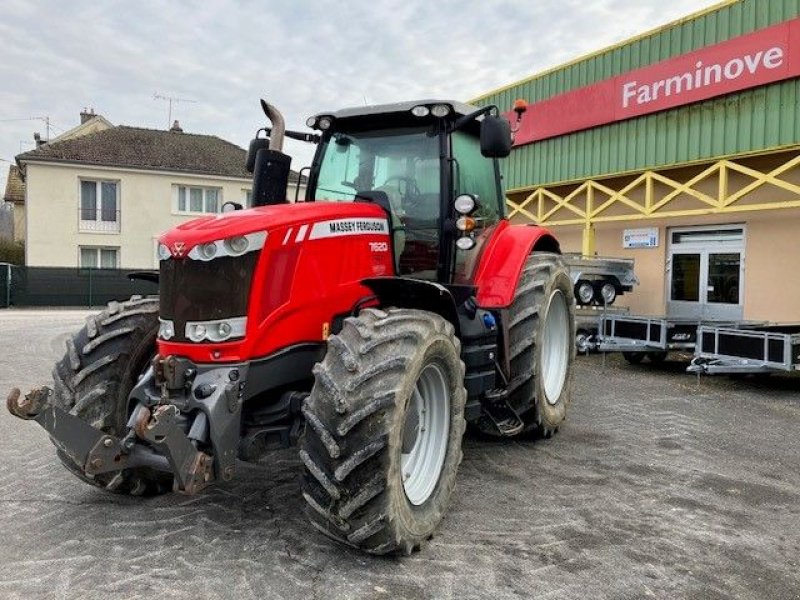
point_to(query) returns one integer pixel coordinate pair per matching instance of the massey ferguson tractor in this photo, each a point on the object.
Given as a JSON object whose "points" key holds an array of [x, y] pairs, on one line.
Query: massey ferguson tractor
{"points": [[367, 325]]}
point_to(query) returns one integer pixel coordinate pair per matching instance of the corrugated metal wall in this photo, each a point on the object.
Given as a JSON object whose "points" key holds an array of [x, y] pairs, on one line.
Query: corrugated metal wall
{"points": [[755, 119]]}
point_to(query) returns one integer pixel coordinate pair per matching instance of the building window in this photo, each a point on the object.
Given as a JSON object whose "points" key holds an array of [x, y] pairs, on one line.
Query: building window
{"points": [[247, 201], [197, 200], [95, 257], [99, 206]]}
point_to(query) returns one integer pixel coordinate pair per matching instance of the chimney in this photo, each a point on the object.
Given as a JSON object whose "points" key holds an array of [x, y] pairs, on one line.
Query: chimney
{"points": [[38, 139], [176, 127], [86, 115]]}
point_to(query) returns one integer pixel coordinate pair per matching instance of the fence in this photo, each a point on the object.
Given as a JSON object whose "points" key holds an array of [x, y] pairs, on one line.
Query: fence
{"points": [[74, 287]]}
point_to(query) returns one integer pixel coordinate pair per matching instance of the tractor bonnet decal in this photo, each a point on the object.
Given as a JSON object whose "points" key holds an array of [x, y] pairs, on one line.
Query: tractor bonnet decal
{"points": [[339, 227]]}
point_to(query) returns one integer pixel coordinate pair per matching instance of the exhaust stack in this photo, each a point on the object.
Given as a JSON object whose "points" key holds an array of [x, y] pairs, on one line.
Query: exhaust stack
{"points": [[271, 166]]}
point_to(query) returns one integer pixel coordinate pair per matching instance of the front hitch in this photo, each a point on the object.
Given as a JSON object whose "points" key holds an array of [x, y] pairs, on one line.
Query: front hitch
{"points": [[91, 450], [95, 452]]}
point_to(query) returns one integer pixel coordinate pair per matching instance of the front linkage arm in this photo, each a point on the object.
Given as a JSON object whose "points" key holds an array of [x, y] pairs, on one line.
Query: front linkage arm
{"points": [[95, 452]]}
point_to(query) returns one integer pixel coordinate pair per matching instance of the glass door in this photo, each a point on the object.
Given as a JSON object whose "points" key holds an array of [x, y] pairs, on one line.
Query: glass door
{"points": [[705, 270]]}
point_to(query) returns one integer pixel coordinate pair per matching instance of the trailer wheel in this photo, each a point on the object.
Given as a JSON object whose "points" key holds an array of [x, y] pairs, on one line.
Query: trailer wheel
{"points": [[633, 358], [656, 357], [92, 381], [606, 293], [384, 423], [584, 292], [542, 347]]}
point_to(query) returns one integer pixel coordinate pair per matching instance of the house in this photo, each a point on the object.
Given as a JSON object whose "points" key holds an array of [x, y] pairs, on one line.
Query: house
{"points": [[99, 195], [14, 199]]}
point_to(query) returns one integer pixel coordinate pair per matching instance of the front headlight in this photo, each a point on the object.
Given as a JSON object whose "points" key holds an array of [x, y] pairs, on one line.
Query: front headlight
{"points": [[163, 252], [234, 246], [216, 331]]}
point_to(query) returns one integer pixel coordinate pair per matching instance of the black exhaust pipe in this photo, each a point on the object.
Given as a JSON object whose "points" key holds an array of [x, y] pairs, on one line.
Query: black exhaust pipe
{"points": [[271, 167]]}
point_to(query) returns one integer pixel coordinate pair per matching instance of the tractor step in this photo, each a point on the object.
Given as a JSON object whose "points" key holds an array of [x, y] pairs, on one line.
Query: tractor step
{"points": [[504, 418]]}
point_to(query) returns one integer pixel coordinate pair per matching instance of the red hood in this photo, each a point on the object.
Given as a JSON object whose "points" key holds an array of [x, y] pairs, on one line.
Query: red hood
{"points": [[263, 218]]}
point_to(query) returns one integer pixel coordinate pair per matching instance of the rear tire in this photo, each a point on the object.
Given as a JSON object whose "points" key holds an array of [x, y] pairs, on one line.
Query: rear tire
{"points": [[656, 358], [92, 381], [378, 471], [540, 389]]}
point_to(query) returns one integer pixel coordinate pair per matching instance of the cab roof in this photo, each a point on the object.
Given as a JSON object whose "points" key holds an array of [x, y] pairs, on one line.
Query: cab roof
{"points": [[459, 108], [397, 113]]}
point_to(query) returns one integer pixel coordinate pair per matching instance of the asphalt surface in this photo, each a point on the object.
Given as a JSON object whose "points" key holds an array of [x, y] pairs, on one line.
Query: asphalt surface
{"points": [[658, 486]]}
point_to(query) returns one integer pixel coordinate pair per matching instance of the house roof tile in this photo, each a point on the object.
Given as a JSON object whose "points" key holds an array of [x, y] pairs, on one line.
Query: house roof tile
{"points": [[139, 148]]}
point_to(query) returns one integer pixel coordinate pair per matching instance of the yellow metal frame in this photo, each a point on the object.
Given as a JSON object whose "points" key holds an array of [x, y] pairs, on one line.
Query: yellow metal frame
{"points": [[591, 201]]}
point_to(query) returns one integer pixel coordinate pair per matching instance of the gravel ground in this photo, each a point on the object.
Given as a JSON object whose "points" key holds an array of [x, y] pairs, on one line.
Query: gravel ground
{"points": [[658, 486]]}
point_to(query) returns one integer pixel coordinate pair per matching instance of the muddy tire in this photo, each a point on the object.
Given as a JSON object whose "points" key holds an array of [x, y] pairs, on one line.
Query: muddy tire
{"points": [[384, 423], [542, 347], [92, 381]]}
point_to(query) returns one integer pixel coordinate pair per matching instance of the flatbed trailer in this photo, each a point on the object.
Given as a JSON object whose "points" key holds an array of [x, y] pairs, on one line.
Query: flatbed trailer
{"points": [[764, 349], [637, 337], [600, 279], [587, 324]]}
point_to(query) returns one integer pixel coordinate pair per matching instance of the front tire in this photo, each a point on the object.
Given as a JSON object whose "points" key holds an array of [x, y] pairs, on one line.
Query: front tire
{"points": [[384, 423], [93, 379]]}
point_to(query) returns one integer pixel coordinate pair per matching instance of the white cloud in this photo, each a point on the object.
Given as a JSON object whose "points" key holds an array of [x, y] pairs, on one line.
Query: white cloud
{"points": [[59, 57]]}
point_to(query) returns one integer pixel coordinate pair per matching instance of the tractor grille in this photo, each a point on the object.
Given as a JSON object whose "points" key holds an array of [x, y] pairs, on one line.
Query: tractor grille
{"points": [[196, 290]]}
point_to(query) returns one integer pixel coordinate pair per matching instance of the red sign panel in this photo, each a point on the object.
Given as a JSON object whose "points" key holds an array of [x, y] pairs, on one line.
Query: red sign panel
{"points": [[759, 58]]}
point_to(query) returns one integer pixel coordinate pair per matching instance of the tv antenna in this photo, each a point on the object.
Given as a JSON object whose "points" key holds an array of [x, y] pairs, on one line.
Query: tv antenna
{"points": [[170, 100], [46, 120]]}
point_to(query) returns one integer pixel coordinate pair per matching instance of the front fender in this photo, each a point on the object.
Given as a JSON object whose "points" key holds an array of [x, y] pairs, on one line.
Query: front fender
{"points": [[404, 292], [501, 264]]}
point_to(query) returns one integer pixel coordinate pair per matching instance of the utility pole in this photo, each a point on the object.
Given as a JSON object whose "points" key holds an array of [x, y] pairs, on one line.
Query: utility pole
{"points": [[170, 100]]}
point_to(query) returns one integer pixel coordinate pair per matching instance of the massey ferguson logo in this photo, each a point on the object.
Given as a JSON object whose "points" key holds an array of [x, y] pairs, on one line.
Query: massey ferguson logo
{"points": [[178, 249]]}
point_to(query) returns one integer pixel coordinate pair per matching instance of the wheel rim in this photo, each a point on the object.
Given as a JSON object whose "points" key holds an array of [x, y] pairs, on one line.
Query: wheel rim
{"points": [[555, 347], [585, 293], [609, 293], [425, 434]]}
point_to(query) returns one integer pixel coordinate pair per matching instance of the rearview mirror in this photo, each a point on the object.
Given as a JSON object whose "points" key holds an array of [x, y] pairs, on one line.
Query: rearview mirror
{"points": [[495, 137]]}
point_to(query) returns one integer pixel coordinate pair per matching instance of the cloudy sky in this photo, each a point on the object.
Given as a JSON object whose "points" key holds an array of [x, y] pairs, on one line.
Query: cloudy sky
{"points": [[58, 57]]}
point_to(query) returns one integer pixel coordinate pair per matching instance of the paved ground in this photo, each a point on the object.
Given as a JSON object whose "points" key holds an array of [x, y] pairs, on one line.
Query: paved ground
{"points": [[657, 487]]}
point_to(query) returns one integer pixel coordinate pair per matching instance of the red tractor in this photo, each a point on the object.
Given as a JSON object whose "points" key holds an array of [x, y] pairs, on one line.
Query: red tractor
{"points": [[368, 325]]}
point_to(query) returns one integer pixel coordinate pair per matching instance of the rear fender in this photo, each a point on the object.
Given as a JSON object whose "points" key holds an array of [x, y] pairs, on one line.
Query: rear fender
{"points": [[502, 262]]}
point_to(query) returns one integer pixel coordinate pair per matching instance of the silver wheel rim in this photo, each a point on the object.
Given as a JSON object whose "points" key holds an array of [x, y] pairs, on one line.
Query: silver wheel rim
{"points": [[555, 347], [585, 293], [609, 293], [425, 434]]}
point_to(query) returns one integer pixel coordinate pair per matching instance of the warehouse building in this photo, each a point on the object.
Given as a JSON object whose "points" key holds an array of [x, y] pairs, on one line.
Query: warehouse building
{"points": [[679, 148]]}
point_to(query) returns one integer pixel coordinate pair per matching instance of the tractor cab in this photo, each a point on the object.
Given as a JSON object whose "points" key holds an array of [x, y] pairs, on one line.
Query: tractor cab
{"points": [[432, 165]]}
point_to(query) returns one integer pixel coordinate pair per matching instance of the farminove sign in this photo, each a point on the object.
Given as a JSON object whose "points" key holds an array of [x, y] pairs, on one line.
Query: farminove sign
{"points": [[759, 58], [703, 76]]}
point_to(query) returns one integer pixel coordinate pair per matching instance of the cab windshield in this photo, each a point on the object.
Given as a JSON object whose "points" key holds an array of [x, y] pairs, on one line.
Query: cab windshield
{"points": [[400, 166]]}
